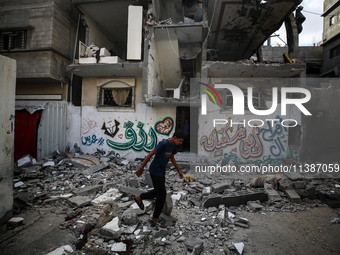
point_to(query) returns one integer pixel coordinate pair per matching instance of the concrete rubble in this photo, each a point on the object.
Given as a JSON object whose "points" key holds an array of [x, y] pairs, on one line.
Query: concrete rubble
{"points": [[202, 212]]}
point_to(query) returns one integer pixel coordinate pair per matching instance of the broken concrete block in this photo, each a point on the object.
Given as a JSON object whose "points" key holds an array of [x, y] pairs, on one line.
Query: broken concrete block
{"points": [[88, 190], [134, 183], [241, 222], [25, 161], [168, 220], [130, 191], [198, 249], [15, 221], [84, 161], [61, 250], [220, 187], [299, 185], [205, 182], [79, 201], [118, 247], [111, 230], [192, 242], [175, 198], [97, 168], [272, 194], [168, 205], [109, 197], [49, 163], [130, 218], [206, 191], [239, 247], [293, 196], [242, 199], [309, 191], [212, 201], [254, 206], [148, 179], [129, 229], [18, 184], [161, 232]]}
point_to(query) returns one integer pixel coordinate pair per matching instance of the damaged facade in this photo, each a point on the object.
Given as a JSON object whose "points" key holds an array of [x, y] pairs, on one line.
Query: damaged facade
{"points": [[181, 41], [128, 69]]}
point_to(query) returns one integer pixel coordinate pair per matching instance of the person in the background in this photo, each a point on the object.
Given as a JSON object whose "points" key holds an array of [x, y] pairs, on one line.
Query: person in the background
{"points": [[164, 151]]}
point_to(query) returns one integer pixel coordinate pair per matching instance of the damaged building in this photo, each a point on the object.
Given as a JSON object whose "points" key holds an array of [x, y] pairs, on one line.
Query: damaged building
{"points": [[120, 76], [103, 82]]}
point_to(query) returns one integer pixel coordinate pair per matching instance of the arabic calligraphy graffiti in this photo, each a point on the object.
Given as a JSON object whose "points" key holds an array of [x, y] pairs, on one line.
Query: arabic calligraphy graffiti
{"points": [[276, 135], [214, 142], [252, 147], [134, 143], [88, 140], [88, 125], [164, 126]]}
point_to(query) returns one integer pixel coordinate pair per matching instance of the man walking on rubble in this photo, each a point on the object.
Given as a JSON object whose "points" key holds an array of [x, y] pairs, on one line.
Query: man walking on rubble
{"points": [[164, 151]]}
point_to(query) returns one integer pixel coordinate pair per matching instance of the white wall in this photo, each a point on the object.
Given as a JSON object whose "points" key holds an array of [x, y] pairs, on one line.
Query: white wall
{"points": [[128, 141], [7, 109]]}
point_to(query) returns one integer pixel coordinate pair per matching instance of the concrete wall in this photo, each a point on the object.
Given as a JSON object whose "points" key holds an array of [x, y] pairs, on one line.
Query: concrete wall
{"points": [[330, 63], [50, 35], [138, 131], [330, 31], [320, 139], [305, 54], [7, 92]]}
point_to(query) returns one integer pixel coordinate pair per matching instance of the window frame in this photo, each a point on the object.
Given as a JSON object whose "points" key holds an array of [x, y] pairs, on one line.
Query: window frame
{"points": [[13, 40], [116, 84]]}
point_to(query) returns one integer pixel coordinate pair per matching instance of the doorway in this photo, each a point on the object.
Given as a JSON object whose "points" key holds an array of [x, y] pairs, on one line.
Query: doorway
{"points": [[187, 121]]}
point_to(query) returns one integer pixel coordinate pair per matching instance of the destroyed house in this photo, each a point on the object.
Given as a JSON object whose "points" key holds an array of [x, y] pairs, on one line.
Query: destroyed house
{"points": [[128, 75], [140, 62]]}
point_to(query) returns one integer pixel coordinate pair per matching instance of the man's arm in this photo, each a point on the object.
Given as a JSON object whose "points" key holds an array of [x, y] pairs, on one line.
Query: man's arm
{"points": [[146, 160], [173, 160]]}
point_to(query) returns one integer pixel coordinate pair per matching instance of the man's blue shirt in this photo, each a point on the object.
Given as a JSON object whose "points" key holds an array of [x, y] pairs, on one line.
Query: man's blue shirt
{"points": [[164, 152]]}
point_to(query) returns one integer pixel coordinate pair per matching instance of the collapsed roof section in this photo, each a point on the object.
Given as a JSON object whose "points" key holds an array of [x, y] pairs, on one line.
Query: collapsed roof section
{"points": [[239, 28]]}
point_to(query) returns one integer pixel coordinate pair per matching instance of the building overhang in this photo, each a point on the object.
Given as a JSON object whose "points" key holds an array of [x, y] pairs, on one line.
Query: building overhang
{"points": [[247, 69], [162, 101], [125, 69]]}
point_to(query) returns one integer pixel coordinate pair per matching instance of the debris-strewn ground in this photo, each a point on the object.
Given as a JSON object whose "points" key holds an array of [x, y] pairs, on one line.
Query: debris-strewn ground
{"points": [[82, 204]]}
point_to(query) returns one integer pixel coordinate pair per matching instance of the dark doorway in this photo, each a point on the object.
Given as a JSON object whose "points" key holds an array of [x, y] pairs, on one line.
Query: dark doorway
{"points": [[186, 120]]}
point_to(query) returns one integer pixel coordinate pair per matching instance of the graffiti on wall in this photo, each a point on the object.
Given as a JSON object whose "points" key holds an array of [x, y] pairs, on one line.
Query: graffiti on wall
{"points": [[267, 144], [222, 138], [92, 140], [89, 125], [111, 130], [278, 136], [137, 142], [164, 126]]}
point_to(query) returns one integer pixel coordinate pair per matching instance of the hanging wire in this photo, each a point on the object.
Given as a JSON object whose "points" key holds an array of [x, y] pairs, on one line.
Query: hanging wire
{"points": [[312, 12], [206, 38]]}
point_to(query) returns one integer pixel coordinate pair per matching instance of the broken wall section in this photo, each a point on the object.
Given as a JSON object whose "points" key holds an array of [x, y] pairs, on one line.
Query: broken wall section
{"points": [[7, 90], [320, 139]]}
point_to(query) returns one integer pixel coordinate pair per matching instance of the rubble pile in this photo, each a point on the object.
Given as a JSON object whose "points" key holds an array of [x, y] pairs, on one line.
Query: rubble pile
{"points": [[202, 212]]}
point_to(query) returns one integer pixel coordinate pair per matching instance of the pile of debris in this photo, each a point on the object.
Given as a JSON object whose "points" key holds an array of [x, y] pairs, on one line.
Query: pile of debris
{"points": [[202, 212]]}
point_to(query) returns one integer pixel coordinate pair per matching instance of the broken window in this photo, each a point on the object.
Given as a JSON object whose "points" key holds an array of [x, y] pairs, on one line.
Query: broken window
{"points": [[13, 40], [116, 94], [332, 20]]}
